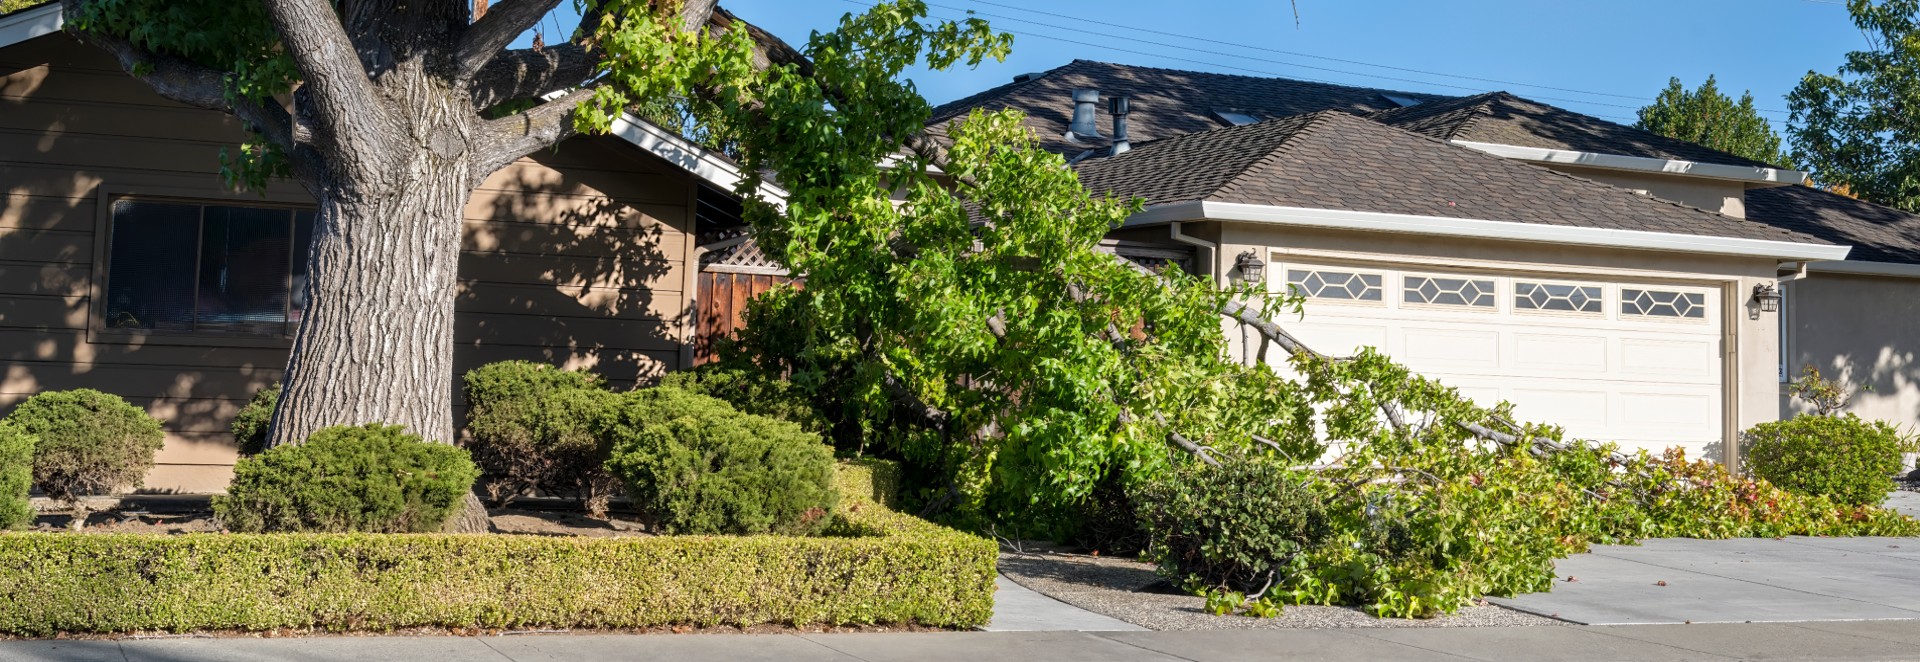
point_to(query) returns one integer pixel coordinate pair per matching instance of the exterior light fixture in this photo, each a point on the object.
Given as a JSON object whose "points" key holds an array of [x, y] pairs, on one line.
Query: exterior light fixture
{"points": [[1767, 296], [1253, 270]]}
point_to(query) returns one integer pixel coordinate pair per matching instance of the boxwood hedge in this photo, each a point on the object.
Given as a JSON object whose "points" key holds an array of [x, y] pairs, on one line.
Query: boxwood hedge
{"points": [[883, 567]]}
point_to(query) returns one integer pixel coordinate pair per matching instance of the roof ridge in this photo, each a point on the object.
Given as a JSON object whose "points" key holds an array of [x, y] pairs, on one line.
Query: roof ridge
{"points": [[958, 106], [1307, 122], [1358, 88]]}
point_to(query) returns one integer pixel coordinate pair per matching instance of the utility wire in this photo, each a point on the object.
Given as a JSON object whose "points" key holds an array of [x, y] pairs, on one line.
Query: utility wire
{"points": [[1310, 55]]}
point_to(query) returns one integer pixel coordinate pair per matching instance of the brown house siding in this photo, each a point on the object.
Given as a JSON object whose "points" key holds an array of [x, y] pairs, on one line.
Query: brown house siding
{"points": [[574, 256]]}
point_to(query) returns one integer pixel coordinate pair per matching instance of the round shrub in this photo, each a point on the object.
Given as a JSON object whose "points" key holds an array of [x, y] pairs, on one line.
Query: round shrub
{"points": [[250, 425], [695, 464], [535, 427], [88, 442], [752, 392], [1232, 527], [16, 475], [1845, 458], [375, 478]]}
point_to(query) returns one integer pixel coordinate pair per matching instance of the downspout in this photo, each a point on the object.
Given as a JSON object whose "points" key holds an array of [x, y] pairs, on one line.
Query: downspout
{"points": [[1208, 249]]}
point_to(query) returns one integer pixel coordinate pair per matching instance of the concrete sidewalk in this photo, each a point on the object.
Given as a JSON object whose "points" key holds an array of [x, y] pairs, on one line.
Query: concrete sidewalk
{"points": [[1861, 640]]}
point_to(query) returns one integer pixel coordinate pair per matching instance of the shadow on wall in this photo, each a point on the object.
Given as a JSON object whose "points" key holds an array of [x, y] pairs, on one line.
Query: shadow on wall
{"points": [[1864, 332]]}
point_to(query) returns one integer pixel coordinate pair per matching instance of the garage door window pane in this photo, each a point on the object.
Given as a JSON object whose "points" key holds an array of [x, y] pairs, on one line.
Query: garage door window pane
{"points": [[1661, 303], [1323, 284], [1566, 298], [1449, 291]]}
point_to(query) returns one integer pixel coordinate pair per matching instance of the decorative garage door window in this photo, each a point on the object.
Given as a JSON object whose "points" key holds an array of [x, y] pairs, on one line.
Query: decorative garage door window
{"points": [[1439, 291], [1326, 284], [1663, 303], [1561, 298]]}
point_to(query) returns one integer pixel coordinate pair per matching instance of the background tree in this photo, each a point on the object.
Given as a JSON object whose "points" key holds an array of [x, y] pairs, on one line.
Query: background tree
{"points": [[391, 112], [1858, 129], [1705, 116]]}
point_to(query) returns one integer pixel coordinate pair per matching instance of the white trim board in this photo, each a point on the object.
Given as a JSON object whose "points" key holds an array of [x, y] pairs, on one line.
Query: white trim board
{"points": [[681, 152], [1638, 163], [30, 23], [1863, 268], [1463, 227]]}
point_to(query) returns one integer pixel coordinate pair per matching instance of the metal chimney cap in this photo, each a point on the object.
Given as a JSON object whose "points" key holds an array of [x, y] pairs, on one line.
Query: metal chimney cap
{"points": [[1086, 95], [1117, 105]]}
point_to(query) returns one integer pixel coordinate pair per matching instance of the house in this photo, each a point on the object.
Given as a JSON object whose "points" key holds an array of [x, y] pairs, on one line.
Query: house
{"points": [[1626, 285], [127, 266]]}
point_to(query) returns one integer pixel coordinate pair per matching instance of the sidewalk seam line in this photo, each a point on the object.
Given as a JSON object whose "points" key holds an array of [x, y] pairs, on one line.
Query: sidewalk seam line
{"points": [[1595, 629], [803, 637], [1129, 644], [496, 651], [1362, 632]]}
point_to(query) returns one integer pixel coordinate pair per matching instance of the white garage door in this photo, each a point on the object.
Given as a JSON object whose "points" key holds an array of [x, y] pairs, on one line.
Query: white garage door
{"points": [[1634, 362]]}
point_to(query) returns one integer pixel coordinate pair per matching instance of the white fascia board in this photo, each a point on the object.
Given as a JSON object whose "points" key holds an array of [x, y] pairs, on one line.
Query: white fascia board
{"points": [[1639, 163], [1500, 230], [706, 165], [1867, 268], [31, 23]]}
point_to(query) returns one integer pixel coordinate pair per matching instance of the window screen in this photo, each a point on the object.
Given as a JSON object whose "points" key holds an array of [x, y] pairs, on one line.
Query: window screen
{"points": [[206, 268]]}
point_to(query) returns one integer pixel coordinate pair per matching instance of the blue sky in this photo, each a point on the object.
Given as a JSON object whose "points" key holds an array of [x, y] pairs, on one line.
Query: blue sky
{"points": [[1609, 57]]}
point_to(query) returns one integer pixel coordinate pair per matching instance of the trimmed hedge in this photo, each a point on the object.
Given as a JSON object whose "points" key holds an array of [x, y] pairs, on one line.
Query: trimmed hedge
{"points": [[903, 571], [1848, 459], [374, 478], [16, 475]]}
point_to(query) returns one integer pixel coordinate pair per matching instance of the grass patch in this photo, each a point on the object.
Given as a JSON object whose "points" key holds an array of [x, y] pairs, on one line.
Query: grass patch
{"points": [[883, 567]]}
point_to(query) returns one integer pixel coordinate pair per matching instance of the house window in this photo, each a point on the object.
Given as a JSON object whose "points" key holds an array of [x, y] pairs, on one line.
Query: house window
{"points": [[1661, 303], [1449, 291], [1551, 297], [1346, 285], [200, 268]]}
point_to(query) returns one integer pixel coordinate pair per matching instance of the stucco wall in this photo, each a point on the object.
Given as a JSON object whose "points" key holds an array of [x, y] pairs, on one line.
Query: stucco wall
{"points": [[1864, 330], [1712, 195], [573, 256], [1753, 333]]}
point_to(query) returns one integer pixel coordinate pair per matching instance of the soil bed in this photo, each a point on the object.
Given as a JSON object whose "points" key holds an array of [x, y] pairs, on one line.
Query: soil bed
{"points": [[1129, 590]]}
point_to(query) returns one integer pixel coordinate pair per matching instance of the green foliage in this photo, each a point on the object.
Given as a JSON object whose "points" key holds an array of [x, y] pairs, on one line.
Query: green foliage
{"points": [[1231, 528], [897, 570], [1841, 457], [697, 465], [16, 475], [1854, 128], [372, 478], [88, 442], [250, 425], [1827, 396], [537, 427], [751, 391], [1706, 116], [10, 6]]}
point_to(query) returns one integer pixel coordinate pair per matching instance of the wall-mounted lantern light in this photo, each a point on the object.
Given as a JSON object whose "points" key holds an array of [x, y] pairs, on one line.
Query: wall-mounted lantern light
{"points": [[1253, 270], [1767, 296]]}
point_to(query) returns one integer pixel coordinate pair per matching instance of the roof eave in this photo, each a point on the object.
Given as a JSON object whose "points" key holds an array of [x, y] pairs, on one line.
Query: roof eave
{"points": [[1866, 268], [1480, 229], [690, 157], [29, 23], [1744, 174]]}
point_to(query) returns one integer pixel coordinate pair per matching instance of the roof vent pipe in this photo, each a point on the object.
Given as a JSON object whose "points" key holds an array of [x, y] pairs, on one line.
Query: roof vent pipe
{"points": [[1117, 106], [1082, 125]]}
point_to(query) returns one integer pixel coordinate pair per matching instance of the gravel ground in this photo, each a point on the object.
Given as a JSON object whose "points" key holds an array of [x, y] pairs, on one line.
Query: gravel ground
{"points": [[1113, 586]]}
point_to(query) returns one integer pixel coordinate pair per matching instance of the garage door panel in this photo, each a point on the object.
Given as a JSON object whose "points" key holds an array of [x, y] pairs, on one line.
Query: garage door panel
{"points": [[1644, 372]]}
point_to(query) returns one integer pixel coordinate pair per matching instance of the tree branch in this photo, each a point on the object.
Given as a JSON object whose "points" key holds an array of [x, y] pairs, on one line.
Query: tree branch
{"points": [[483, 41], [503, 140], [530, 74], [341, 95]]}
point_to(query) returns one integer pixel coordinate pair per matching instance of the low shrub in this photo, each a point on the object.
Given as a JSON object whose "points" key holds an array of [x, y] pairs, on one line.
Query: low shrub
{"points": [[891, 569], [1845, 458], [751, 391], [534, 427], [697, 465], [16, 475], [373, 478], [1230, 528], [250, 425], [87, 442]]}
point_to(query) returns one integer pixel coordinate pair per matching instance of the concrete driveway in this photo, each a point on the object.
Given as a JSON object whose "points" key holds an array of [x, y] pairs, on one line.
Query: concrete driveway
{"points": [[1736, 581]]}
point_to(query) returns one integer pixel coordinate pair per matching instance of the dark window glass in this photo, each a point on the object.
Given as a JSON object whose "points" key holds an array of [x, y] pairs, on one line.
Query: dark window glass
{"points": [[206, 268], [302, 243], [150, 280]]}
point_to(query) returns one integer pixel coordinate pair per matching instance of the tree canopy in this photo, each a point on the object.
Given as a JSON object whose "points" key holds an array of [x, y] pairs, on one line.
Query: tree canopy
{"points": [[1706, 116], [1856, 128]]}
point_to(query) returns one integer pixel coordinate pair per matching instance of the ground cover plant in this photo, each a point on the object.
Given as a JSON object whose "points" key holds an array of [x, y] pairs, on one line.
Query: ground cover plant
{"points": [[879, 566]]}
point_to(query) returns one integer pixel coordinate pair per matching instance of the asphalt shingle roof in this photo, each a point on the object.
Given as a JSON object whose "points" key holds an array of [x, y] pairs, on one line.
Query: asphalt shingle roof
{"points": [[1334, 160], [1502, 118], [1877, 234], [1165, 102]]}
